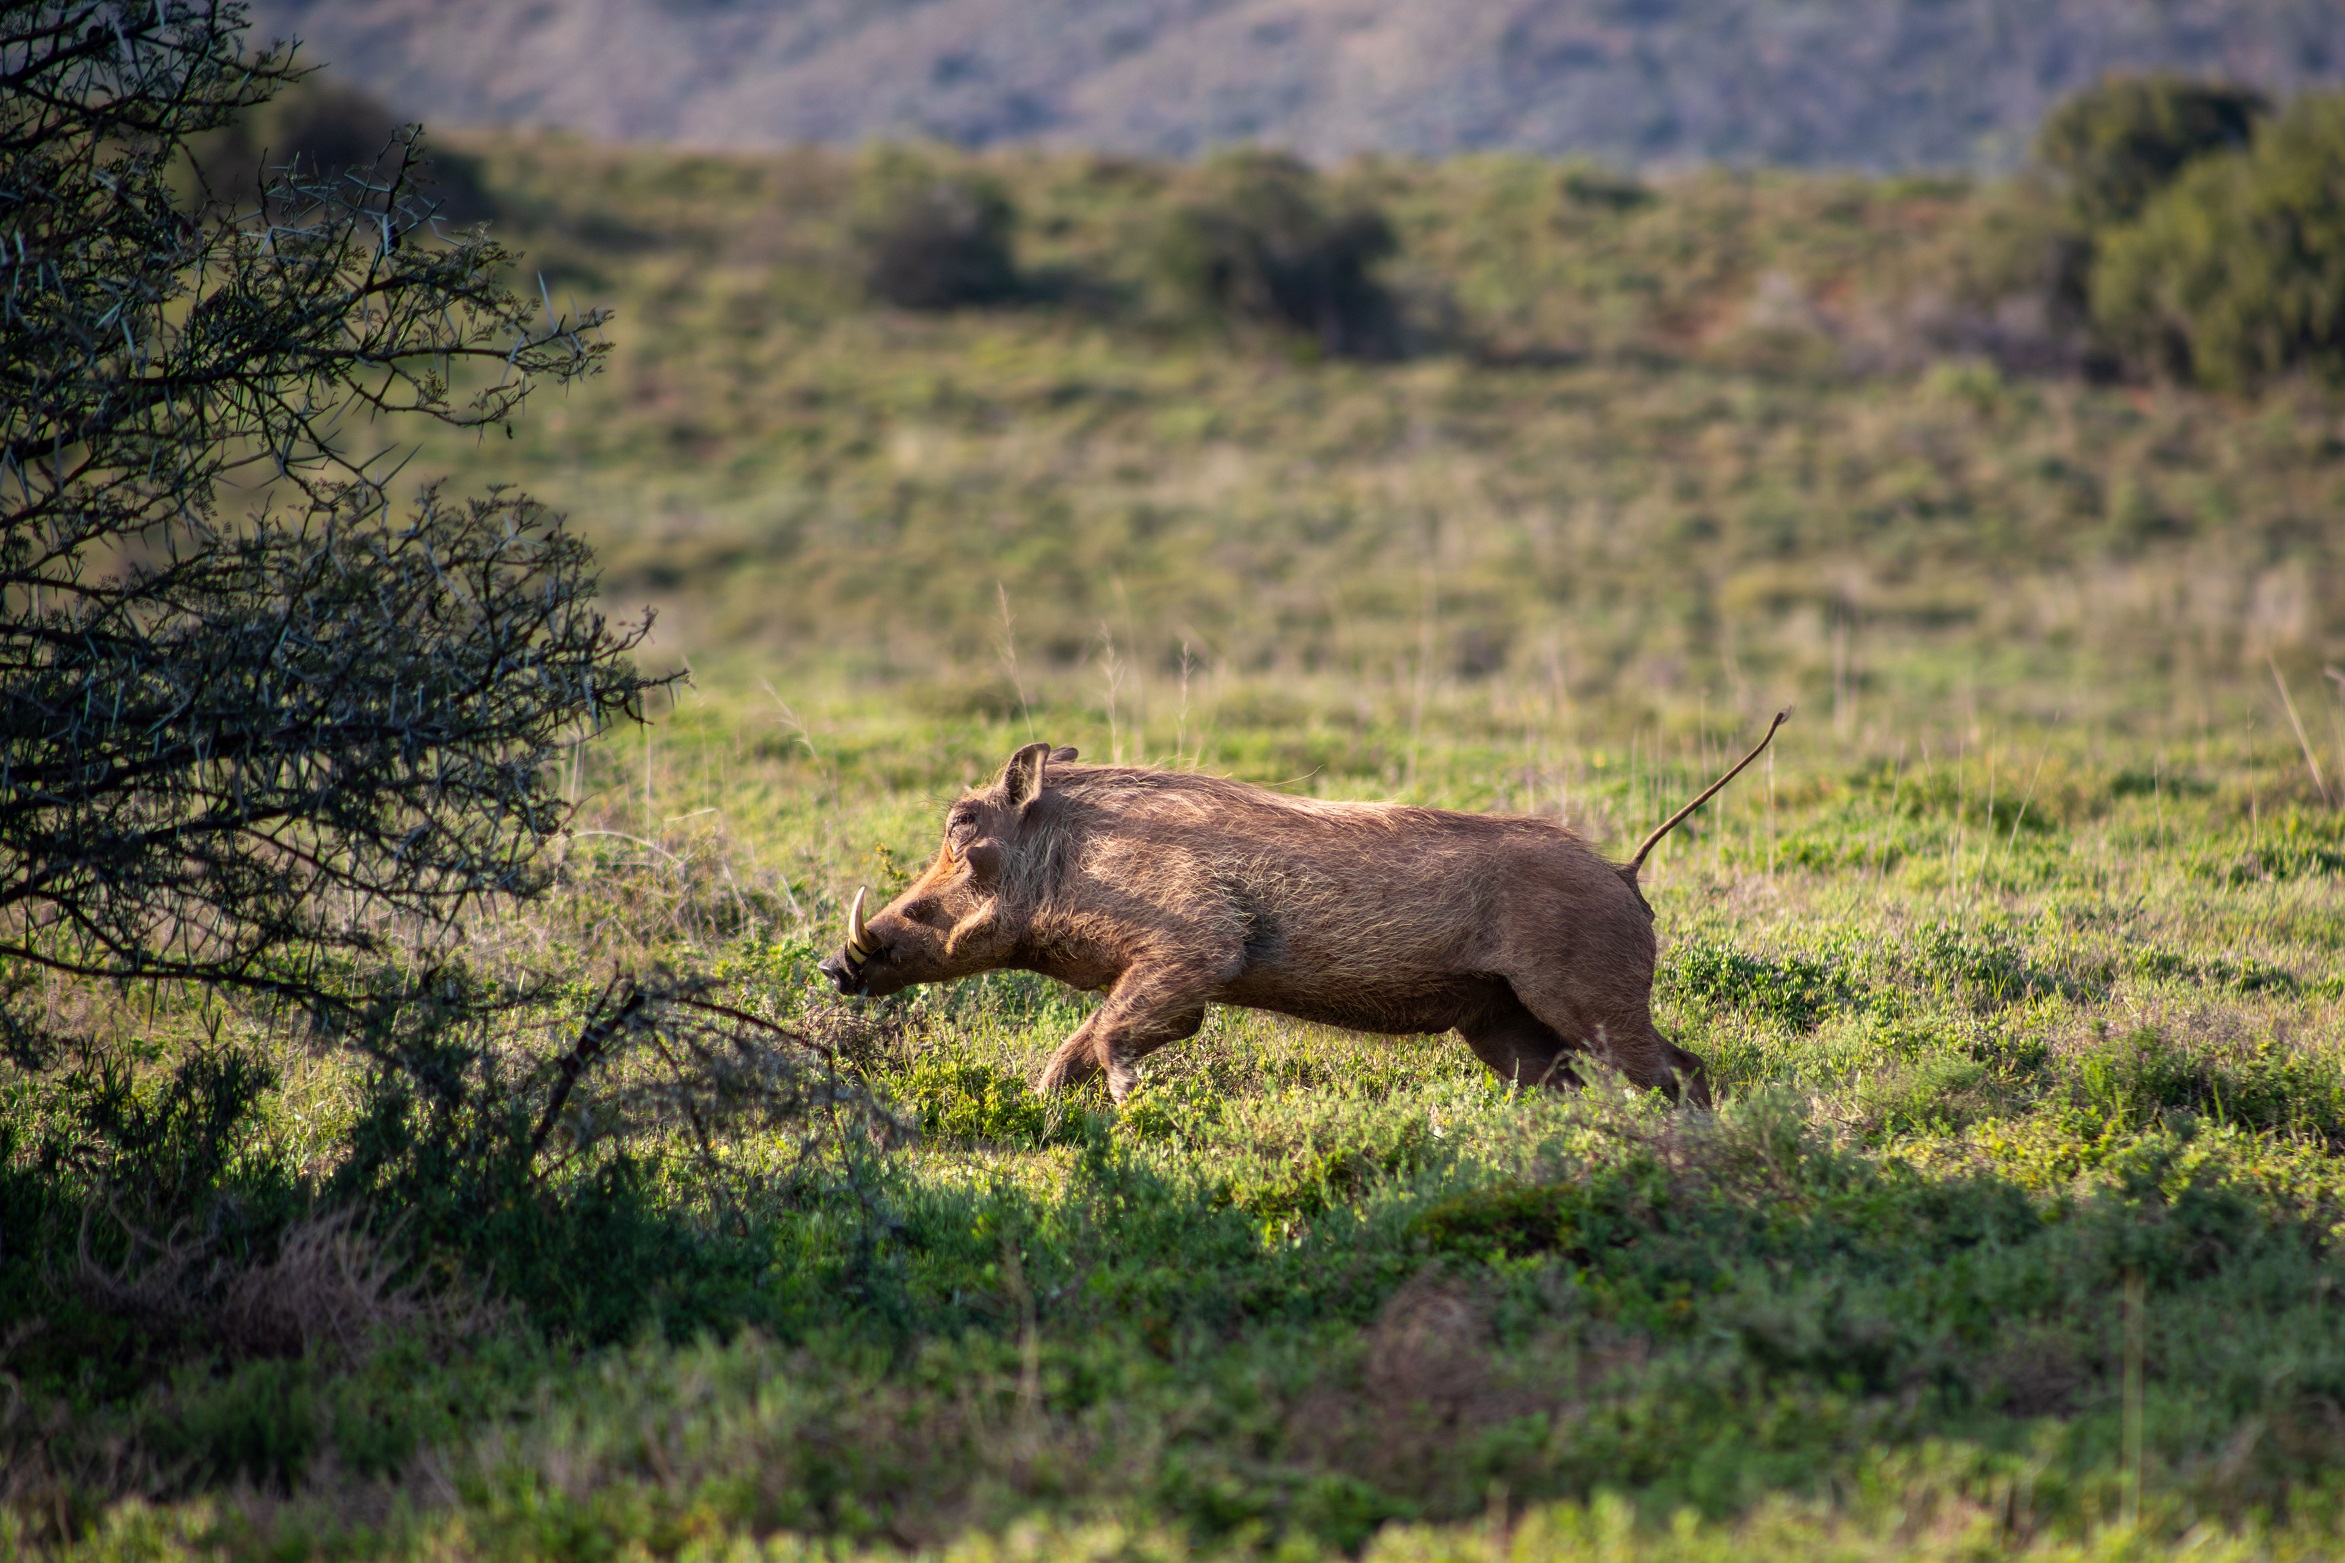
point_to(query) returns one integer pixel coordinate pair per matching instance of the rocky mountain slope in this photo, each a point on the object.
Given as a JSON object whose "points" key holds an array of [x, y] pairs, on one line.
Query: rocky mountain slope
{"points": [[1871, 84]]}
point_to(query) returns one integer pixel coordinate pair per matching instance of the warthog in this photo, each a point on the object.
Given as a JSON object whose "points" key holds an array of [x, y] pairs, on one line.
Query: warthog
{"points": [[1170, 891]]}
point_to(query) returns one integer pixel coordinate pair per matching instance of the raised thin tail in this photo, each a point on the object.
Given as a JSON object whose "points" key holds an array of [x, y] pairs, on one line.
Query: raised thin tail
{"points": [[1628, 870]]}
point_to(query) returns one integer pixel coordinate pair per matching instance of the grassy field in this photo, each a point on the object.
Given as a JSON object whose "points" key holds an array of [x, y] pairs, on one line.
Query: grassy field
{"points": [[2021, 965], [1694, 438]]}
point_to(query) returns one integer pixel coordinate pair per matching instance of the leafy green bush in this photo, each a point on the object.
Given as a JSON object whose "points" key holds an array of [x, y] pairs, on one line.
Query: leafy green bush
{"points": [[1928, 1095], [930, 240], [1794, 990], [2119, 143], [963, 1102], [263, 1425], [170, 1142], [2148, 1077], [2236, 274], [160, 1181], [1979, 962], [1573, 1220], [1263, 245], [583, 1171]]}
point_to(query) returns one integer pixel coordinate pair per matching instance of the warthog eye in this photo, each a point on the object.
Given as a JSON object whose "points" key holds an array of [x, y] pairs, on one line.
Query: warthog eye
{"points": [[958, 831]]}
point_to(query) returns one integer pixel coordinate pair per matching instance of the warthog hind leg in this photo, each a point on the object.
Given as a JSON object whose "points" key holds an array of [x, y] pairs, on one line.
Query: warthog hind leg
{"points": [[1615, 1022], [1518, 1046]]}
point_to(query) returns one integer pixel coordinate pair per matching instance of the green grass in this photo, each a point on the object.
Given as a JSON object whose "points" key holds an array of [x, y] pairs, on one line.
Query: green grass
{"points": [[1312, 1290], [2021, 966]]}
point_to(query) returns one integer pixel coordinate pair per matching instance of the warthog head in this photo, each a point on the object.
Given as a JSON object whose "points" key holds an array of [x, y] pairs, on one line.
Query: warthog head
{"points": [[967, 913]]}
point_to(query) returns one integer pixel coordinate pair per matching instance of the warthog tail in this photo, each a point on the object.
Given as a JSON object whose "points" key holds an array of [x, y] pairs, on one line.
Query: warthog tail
{"points": [[1628, 870]]}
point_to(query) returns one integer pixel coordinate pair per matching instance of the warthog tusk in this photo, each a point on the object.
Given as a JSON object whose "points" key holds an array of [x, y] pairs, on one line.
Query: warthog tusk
{"points": [[858, 940]]}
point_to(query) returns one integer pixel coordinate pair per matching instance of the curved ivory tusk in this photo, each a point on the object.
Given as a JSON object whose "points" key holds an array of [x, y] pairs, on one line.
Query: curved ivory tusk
{"points": [[857, 939]]}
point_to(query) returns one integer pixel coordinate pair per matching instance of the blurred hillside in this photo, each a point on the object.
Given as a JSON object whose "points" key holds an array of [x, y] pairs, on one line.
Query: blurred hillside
{"points": [[1876, 84]]}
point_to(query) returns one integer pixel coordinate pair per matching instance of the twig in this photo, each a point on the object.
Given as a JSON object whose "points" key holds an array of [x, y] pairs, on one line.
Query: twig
{"points": [[575, 1063], [2302, 742], [771, 1028], [1009, 655], [638, 840]]}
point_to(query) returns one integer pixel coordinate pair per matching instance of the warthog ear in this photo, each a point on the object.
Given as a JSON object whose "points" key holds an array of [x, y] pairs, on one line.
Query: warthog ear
{"points": [[1021, 779], [1064, 754]]}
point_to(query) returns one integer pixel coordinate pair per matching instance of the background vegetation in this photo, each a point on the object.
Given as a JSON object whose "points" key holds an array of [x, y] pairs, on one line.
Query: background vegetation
{"points": [[1612, 436], [2019, 961]]}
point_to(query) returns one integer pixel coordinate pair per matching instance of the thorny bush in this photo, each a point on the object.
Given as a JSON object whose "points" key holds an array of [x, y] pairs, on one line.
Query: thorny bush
{"points": [[229, 743]]}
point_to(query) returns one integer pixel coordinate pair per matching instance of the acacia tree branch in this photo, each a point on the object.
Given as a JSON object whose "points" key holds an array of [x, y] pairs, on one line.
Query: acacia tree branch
{"points": [[602, 1024], [230, 749]]}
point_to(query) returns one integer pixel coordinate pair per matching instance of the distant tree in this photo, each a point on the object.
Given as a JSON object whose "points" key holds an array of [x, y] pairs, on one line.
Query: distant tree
{"points": [[2237, 273], [2116, 145], [931, 240], [1263, 244], [327, 131], [252, 716], [1590, 186]]}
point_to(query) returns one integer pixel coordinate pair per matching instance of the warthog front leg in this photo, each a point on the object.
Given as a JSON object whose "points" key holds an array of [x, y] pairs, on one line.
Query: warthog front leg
{"points": [[1148, 1009]]}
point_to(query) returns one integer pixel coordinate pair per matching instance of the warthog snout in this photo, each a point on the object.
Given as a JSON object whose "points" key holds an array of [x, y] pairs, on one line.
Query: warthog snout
{"points": [[842, 974]]}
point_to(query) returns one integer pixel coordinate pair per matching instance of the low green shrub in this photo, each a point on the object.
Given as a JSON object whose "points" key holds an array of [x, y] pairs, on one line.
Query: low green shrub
{"points": [[932, 240], [327, 129], [2148, 1077], [964, 1103], [1518, 1221], [1262, 244], [2236, 274], [1927, 1096], [2295, 845], [1793, 990]]}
